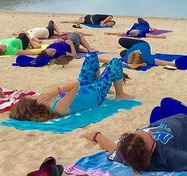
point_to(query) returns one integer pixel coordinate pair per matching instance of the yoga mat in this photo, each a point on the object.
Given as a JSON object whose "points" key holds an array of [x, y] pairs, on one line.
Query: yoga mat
{"points": [[98, 165], [165, 57], [71, 122], [96, 26], [80, 55], [66, 35], [160, 31]]}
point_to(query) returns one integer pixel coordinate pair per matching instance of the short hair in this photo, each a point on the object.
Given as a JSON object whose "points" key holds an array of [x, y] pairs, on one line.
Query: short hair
{"points": [[29, 109], [135, 152], [135, 57], [1, 52], [133, 33], [43, 53]]}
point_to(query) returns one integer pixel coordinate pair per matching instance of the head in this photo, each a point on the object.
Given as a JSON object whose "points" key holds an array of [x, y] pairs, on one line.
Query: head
{"points": [[134, 33], [47, 52], [28, 109], [3, 49], [135, 58], [136, 148]]}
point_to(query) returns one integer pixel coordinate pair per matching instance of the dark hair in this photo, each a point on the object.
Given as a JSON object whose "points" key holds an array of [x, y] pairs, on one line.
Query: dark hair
{"points": [[42, 54], [29, 109], [135, 152], [1, 52]]}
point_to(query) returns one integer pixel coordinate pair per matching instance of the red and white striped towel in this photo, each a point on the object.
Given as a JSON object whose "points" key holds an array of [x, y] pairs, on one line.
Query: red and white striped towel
{"points": [[11, 97]]}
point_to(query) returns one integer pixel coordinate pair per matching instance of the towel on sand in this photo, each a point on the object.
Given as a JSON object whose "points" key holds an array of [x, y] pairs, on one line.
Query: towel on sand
{"points": [[98, 165], [74, 121]]}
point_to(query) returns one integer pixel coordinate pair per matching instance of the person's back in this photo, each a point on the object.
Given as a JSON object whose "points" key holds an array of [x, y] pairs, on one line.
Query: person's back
{"points": [[13, 44], [143, 29], [40, 33], [170, 153]]}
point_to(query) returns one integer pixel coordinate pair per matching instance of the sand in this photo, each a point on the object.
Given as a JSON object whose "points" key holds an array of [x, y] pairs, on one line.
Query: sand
{"points": [[23, 151]]}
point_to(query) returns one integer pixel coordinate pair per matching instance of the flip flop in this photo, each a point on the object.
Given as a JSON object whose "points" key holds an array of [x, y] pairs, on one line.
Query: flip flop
{"points": [[48, 162], [77, 26]]}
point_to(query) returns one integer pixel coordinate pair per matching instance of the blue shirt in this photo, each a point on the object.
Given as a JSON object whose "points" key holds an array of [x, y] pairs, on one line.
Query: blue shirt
{"points": [[84, 99], [145, 49], [142, 27], [61, 48]]}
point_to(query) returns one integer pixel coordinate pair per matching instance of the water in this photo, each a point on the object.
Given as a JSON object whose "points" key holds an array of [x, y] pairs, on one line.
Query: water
{"points": [[143, 8]]}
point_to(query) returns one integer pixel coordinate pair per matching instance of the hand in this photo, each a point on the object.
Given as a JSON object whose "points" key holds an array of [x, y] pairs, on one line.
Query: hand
{"points": [[102, 23], [2, 95], [89, 136], [45, 97], [107, 33]]}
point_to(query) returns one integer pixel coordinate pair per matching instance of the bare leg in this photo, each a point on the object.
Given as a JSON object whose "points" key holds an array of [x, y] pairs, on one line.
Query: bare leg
{"points": [[85, 44], [164, 63], [57, 30], [120, 94]]}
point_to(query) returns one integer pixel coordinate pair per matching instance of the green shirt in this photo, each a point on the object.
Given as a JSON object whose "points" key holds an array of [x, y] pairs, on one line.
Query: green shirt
{"points": [[13, 44]]}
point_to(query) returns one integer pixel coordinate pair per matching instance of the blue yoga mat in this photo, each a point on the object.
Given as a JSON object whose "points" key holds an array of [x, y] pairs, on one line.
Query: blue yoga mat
{"points": [[98, 164], [165, 57], [96, 26], [74, 121], [81, 55]]}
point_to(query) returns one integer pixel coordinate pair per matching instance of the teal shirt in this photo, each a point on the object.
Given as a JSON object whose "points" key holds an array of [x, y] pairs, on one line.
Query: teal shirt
{"points": [[145, 49], [13, 44], [84, 99]]}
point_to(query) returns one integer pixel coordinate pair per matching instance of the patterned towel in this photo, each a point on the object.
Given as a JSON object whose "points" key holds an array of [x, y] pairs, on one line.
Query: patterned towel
{"points": [[11, 97], [98, 165]]}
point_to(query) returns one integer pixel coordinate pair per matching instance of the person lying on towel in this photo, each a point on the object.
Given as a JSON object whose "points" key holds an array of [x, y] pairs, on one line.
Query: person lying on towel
{"points": [[139, 52], [69, 47], [140, 29], [160, 146], [95, 19], [88, 92]]}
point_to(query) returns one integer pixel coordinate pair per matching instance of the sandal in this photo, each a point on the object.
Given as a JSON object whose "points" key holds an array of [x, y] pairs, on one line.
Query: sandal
{"points": [[77, 26]]}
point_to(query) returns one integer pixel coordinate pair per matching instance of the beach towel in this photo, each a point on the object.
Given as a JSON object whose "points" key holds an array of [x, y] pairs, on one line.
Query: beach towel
{"points": [[96, 26], [165, 57], [11, 97], [74, 121], [98, 165]]}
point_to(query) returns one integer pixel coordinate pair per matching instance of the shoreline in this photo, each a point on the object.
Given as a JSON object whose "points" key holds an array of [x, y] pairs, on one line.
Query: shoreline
{"points": [[23, 151]]}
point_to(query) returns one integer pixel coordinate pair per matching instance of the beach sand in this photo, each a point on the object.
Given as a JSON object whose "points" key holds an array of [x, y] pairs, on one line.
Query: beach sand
{"points": [[23, 151]]}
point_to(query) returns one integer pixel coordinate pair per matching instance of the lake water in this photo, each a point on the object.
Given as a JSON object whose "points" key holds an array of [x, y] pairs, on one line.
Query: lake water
{"points": [[143, 8]]}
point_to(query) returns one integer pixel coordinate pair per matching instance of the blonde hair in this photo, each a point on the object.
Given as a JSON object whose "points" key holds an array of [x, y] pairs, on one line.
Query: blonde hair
{"points": [[29, 109], [135, 57]]}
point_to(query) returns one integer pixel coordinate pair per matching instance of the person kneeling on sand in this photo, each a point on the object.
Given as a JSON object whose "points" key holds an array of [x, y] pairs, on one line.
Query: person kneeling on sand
{"points": [[161, 146], [88, 92]]}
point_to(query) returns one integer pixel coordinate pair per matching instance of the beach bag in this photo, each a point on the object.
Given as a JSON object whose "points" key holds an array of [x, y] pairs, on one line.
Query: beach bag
{"points": [[26, 61], [48, 168]]}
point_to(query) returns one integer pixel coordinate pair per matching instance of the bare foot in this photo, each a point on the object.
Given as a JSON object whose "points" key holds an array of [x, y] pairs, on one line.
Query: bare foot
{"points": [[124, 96], [92, 50]]}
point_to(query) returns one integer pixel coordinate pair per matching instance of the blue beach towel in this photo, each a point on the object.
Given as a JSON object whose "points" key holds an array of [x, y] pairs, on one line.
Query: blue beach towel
{"points": [[98, 165], [165, 57], [96, 26], [74, 121]]}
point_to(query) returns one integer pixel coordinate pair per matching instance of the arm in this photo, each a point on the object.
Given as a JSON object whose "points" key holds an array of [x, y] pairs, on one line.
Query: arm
{"points": [[155, 36], [103, 141], [71, 88], [115, 33], [73, 51]]}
